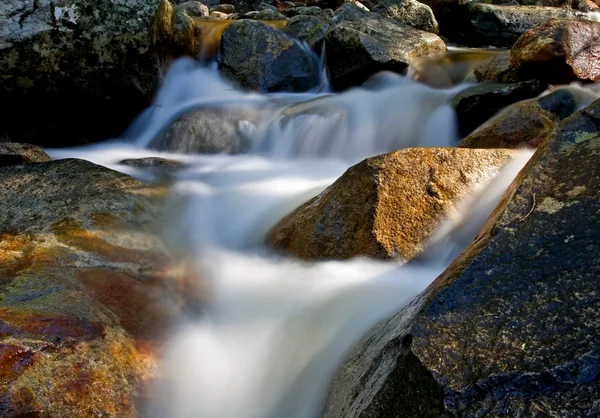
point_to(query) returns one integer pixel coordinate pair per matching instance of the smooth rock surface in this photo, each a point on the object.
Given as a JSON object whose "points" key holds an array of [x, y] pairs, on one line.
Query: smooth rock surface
{"points": [[513, 325], [387, 206], [410, 12], [560, 51], [498, 68]]}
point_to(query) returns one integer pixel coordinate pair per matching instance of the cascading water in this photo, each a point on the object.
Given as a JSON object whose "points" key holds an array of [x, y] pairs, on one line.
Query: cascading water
{"points": [[274, 330]]}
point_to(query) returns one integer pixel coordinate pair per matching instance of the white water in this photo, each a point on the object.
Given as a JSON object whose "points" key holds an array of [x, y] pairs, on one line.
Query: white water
{"points": [[274, 330]]}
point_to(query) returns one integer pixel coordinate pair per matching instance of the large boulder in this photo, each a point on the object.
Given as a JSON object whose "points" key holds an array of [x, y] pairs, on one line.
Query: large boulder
{"points": [[18, 153], [560, 51], [265, 59], [512, 328], [385, 207], [74, 71], [477, 104], [523, 124], [480, 25], [357, 49], [86, 289], [309, 29], [410, 12]]}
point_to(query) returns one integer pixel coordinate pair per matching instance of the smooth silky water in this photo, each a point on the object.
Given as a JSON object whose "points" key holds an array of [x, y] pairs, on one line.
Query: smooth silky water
{"points": [[274, 330]]}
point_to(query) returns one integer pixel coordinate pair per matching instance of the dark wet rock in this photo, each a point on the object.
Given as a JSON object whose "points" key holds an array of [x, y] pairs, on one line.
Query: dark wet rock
{"points": [[18, 153], [498, 68], [513, 326], [193, 9], [224, 8], [87, 290], [387, 206], [265, 59], [409, 12], [481, 25], [475, 105], [266, 14], [157, 168], [310, 29], [524, 124], [560, 51], [307, 11], [359, 48], [97, 59]]}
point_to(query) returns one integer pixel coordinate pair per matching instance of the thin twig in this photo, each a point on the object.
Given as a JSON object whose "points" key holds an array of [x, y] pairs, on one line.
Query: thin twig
{"points": [[530, 211], [538, 407]]}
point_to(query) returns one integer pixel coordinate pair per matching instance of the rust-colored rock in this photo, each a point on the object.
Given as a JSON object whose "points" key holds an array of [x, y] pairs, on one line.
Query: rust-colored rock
{"points": [[386, 206], [560, 51]]}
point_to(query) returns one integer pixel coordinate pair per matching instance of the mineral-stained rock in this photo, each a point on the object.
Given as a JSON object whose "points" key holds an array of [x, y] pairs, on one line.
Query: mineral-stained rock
{"points": [[262, 58], [497, 68], [75, 70], [17, 153], [560, 51], [86, 290], [525, 123], [409, 12], [513, 325], [477, 104], [357, 49], [386, 206], [478, 24]]}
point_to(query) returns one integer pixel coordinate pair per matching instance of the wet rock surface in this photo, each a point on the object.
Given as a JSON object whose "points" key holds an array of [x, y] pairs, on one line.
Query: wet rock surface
{"points": [[387, 206], [86, 290], [310, 29], [475, 105], [357, 49], [409, 12], [17, 153], [262, 58], [524, 124], [560, 51], [497, 68], [512, 327]]}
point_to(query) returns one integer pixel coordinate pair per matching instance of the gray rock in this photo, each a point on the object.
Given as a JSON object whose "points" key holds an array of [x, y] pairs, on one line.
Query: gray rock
{"points": [[478, 24], [307, 11], [513, 325], [265, 14], [193, 9], [18, 153], [265, 59], [348, 12], [360, 48], [100, 53], [224, 8], [409, 12], [477, 104], [310, 29]]}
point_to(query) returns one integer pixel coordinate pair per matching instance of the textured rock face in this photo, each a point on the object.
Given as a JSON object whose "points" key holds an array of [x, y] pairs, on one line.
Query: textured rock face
{"points": [[513, 325], [356, 49], [17, 153], [262, 58], [524, 124], [86, 290], [475, 105], [386, 206], [310, 29], [478, 24], [560, 51], [409, 12], [497, 68], [65, 62]]}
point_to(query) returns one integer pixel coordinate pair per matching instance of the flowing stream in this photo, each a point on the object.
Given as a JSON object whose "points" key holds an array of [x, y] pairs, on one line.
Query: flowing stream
{"points": [[275, 329]]}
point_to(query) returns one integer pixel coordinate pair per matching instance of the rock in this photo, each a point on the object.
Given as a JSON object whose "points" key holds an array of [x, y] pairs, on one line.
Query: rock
{"points": [[387, 206], [512, 326], [79, 70], [409, 12], [477, 104], [310, 29], [193, 9], [526, 123], [262, 58], [349, 12], [86, 289], [560, 51], [498, 68], [219, 15], [224, 8], [17, 153], [360, 48], [156, 168], [266, 14], [483, 25], [307, 11]]}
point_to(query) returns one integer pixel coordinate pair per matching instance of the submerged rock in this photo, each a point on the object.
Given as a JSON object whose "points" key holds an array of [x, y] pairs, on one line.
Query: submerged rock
{"points": [[67, 65], [477, 104], [385, 207], [483, 25], [513, 325], [525, 123], [357, 49], [17, 153], [264, 59], [560, 51], [87, 290]]}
